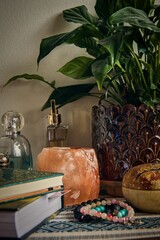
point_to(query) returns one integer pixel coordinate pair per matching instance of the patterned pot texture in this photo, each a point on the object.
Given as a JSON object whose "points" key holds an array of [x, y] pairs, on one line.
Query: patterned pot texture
{"points": [[123, 138]]}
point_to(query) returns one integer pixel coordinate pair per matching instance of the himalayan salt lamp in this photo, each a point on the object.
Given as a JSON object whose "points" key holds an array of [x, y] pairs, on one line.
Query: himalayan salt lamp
{"points": [[80, 168]]}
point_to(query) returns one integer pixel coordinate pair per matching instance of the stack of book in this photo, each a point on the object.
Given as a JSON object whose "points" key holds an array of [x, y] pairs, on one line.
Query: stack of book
{"points": [[27, 198]]}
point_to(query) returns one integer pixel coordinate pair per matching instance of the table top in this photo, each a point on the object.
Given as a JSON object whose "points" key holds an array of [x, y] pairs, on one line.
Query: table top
{"points": [[64, 226]]}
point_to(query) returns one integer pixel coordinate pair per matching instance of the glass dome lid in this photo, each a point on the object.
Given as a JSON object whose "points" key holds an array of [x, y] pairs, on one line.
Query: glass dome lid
{"points": [[12, 121]]}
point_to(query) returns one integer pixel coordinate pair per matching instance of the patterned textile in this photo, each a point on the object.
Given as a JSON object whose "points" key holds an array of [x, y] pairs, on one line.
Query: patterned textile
{"points": [[64, 226]]}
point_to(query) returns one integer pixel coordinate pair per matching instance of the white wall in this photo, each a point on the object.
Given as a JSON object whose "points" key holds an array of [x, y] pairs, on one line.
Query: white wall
{"points": [[23, 23]]}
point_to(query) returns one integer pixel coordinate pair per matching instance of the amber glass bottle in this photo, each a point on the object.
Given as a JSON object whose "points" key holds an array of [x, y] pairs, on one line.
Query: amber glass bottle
{"points": [[56, 132]]}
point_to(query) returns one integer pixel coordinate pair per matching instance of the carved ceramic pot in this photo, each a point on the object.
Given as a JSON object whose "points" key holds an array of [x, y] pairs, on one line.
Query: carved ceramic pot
{"points": [[123, 138]]}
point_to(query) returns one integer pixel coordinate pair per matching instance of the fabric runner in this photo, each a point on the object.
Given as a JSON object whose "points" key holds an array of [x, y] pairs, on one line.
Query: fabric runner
{"points": [[64, 226]]}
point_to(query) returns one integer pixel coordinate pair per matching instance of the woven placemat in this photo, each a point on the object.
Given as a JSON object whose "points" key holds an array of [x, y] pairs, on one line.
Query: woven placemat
{"points": [[64, 226]]}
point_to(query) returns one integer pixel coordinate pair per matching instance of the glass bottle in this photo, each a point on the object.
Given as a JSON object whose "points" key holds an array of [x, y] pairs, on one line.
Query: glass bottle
{"points": [[13, 144], [56, 132]]}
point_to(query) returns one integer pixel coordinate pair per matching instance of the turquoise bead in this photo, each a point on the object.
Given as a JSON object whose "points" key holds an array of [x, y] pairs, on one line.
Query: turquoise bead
{"points": [[102, 208], [124, 212], [119, 215], [98, 209]]}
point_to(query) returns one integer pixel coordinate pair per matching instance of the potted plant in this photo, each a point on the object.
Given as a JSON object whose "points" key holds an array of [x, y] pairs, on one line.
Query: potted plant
{"points": [[123, 46]]}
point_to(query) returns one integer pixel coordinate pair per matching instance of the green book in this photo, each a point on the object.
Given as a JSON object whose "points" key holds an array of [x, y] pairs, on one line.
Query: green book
{"points": [[17, 183]]}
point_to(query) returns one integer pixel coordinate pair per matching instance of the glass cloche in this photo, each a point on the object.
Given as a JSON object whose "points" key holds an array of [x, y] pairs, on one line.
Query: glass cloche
{"points": [[13, 144]]}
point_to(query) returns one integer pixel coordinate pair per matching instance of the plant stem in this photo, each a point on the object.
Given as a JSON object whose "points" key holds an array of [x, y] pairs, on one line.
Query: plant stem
{"points": [[139, 65]]}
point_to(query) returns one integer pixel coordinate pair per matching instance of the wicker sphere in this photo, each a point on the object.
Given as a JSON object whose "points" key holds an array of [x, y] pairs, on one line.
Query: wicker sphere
{"points": [[141, 187]]}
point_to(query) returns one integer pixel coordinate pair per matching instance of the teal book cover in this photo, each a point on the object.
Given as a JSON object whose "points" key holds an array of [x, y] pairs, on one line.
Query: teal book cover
{"points": [[17, 182]]}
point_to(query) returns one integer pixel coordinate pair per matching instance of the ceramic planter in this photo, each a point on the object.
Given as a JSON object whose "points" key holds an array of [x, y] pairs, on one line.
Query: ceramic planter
{"points": [[123, 138]]}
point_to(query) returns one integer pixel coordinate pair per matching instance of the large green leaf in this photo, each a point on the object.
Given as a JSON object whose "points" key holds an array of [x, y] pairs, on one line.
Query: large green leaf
{"points": [[113, 44], [80, 15], [50, 43], [31, 77], [68, 94], [105, 8], [146, 5], [81, 37], [78, 68], [100, 69], [133, 16]]}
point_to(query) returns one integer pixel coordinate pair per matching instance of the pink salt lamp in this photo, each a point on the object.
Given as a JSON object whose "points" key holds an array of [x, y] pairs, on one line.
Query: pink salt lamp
{"points": [[80, 168]]}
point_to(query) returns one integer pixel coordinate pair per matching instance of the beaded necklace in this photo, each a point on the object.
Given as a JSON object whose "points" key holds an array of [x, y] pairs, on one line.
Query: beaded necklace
{"points": [[106, 209]]}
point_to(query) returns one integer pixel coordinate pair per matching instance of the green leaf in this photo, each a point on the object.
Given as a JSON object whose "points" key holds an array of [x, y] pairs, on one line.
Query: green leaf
{"points": [[50, 43], [157, 75], [133, 16], [31, 77], [156, 100], [80, 15], [149, 73], [78, 68], [86, 37], [147, 101], [85, 31], [100, 69], [143, 5], [113, 45], [53, 83], [81, 37], [68, 94], [102, 9], [153, 86]]}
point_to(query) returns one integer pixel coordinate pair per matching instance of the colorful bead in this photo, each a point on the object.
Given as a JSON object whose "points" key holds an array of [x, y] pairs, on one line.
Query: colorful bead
{"points": [[89, 206], [115, 219], [85, 218], [98, 214], [119, 215], [113, 201], [92, 212], [103, 202], [98, 209], [117, 207], [109, 209], [109, 217], [108, 202], [82, 210], [124, 212], [98, 203], [102, 208], [121, 220], [93, 205], [126, 219], [86, 210], [104, 215], [89, 202]]}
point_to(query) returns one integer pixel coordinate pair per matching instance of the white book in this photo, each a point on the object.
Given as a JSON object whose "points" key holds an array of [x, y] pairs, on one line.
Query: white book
{"points": [[19, 218]]}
